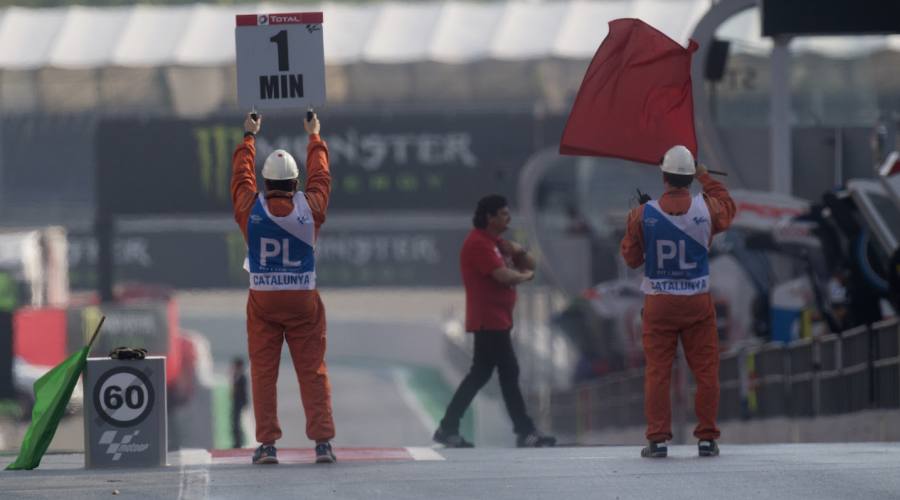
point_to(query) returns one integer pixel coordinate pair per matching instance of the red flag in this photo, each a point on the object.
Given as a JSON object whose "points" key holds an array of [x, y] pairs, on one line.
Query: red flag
{"points": [[635, 101]]}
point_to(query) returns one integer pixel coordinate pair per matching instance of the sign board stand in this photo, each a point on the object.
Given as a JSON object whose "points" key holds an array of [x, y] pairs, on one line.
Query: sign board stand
{"points": [[125, 413]]}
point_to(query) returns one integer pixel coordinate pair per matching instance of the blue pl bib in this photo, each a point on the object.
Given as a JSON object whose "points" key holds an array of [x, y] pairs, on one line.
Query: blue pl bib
{"points": [[281, 250], [676, 249]]}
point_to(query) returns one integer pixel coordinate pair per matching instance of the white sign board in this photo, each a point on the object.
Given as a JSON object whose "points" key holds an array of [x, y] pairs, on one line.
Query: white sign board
{"points": [[280, 60]]}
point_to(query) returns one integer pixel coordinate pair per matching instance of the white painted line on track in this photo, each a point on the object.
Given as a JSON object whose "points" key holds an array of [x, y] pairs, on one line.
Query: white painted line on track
{"points": [[194, 484], [421, 453], [194, 474], [401, 380]]}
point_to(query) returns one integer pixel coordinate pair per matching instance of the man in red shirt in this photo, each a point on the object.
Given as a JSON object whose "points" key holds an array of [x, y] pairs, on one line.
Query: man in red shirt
{"points": [[491, 268]]}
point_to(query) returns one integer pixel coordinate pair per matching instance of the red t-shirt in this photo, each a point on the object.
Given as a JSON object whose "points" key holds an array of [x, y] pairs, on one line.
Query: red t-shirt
{"points": [[489, 304]]}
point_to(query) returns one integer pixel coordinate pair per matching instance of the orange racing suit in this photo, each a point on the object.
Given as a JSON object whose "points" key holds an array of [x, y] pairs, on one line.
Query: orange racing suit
{"points": [[692, 318], [294, 316]]}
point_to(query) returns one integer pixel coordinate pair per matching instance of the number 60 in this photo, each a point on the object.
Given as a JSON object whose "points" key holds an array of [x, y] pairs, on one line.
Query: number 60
{"points": [[134, 397]]}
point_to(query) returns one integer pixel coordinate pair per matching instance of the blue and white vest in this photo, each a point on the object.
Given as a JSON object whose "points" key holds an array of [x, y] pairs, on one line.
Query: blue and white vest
{"points": [[281, 250], [676, 249]]}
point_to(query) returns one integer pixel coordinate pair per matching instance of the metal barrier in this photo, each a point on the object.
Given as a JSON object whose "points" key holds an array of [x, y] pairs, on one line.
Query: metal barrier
{"points": [[855, 370]]}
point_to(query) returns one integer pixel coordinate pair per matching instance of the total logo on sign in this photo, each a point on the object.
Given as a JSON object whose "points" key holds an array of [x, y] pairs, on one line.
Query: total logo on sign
{"points": [[125, 444], [300, 18], [123, 397], [286, 19], [280, 60]]}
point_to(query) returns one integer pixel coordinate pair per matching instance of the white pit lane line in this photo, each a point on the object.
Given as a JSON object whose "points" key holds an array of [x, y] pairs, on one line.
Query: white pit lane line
{"points": [[193, 474], [423, 454]]}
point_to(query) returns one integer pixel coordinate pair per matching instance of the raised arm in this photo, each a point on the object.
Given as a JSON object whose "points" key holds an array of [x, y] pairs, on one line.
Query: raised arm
{"points": [[632, 246], [243, 172], [721, 207], [318, 173]]}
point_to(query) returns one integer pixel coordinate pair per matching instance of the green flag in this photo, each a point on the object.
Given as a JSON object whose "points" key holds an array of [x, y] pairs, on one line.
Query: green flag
{"points": [[51, 395]]}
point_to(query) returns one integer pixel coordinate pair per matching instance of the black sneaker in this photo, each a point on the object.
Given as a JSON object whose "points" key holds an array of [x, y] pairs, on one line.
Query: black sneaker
{"points": [[324, 454], [449, 440], [655, 450], [534, 439], [707, 448], [265, 454]]}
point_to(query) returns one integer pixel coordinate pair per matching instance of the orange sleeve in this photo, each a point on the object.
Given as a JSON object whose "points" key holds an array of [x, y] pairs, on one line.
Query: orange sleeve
{"points": [[318, 178], [243, 181], [721, 207], [632, 247]]}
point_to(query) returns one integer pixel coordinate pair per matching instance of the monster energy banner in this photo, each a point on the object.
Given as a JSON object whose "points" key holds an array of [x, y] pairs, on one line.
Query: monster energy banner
{"points": [[344, 258], [421, 162]]}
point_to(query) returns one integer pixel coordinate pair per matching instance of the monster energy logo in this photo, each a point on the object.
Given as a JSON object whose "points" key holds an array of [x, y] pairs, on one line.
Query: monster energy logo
{"points": [[214, 147]]}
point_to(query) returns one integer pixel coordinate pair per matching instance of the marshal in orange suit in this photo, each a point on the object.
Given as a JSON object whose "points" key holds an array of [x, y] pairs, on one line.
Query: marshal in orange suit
{"points": [[280, 226], [671, 237]]}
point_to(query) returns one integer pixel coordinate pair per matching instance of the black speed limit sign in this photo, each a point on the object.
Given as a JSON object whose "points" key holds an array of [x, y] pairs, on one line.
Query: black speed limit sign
{"points": [[123, 396]]}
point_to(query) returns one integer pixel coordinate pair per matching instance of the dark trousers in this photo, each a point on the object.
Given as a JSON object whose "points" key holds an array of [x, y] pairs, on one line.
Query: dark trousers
{"points": [[237, 432], [492, 348], [7, 389]]}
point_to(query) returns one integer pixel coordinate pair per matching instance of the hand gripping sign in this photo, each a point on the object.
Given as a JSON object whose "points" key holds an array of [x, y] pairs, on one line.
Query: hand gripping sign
{"points": [[280, 60]]}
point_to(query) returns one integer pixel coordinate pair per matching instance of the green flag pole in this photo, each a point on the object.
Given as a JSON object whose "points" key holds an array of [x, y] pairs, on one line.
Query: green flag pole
{"points": [[51, 395], [96, 332]]}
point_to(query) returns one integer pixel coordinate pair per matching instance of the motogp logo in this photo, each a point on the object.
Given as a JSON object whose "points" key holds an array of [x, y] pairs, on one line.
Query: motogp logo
{"points": [[124, 445], [263, 20]]}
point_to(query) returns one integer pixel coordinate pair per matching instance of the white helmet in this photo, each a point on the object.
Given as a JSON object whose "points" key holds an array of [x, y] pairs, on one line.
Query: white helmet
{"points": [[280, 166], [678, 160]]}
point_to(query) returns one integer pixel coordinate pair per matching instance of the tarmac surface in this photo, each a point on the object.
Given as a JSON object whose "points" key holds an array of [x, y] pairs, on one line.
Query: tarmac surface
{"points": [[807, 471]]}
